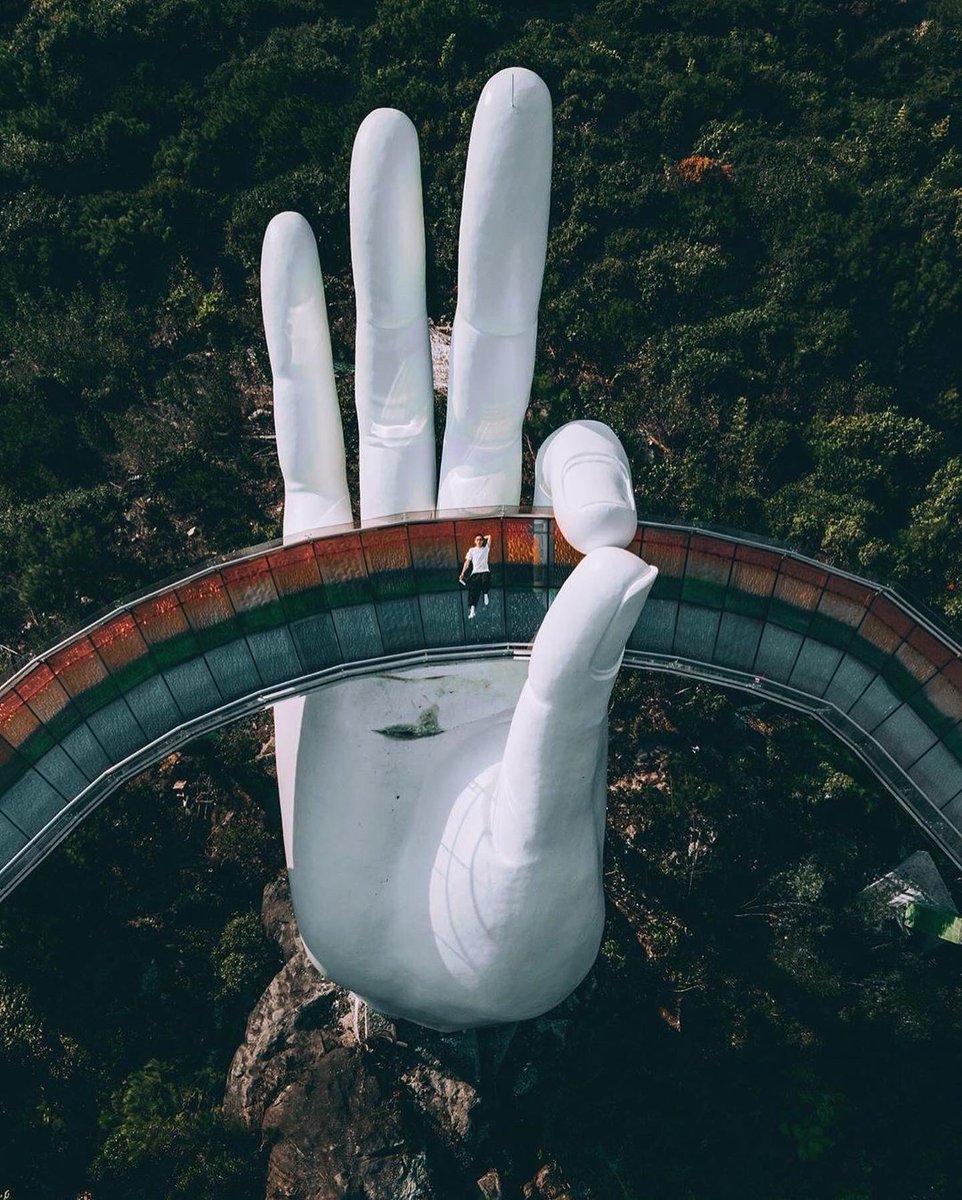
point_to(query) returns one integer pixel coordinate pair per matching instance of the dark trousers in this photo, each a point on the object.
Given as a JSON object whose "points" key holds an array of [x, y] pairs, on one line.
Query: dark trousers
{"points": [[478, 585]]}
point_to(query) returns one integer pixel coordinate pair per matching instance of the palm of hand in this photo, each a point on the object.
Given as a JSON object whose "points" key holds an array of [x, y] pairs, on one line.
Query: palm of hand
{"points": [[452, 879]]}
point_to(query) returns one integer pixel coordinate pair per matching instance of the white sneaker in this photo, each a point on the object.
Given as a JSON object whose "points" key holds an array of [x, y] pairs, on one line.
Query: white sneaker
{"points": [[471, 614], [485, 599]]}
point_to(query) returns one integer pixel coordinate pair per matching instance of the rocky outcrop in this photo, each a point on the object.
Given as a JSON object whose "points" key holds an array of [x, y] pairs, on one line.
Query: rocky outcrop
{"points": [[352, 1107]]}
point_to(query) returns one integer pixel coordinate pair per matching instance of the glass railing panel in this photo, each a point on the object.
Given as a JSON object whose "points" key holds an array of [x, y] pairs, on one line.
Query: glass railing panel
{"points": [[343, 571], [655, 628], [883, 629], [737, 643], [875, 704], [490, 623], [667, 550], [527, 552], [814, 667], [12, 765], [707, 571], [358, 632], [12, 840], [21, 729], [952, 811], [442, 619], [31, 803], [841, 609], [434, 557], [752, 581], [83, 675], [348, 590], [111, 731], [904, 735], [798, 590], [62, 772], [388, 559], [938, 773], [207, 606], [260, 614], [174, 648], [563, 556], [297, 578], [849, 682], [944, 693], [524, 611], [126, 655], [778, 649], [50, 704], [695, 632]]}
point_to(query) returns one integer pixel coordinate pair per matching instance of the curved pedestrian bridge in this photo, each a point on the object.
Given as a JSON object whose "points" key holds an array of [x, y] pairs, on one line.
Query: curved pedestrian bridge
{"points": [[279, 620]]}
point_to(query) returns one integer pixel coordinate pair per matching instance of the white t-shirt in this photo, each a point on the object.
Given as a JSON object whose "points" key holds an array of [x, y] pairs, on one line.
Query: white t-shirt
{"points": [[479, 558]]}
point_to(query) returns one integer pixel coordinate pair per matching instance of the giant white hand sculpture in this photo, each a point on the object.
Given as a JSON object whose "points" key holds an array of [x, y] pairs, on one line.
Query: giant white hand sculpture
{"points": [[454, 880]]}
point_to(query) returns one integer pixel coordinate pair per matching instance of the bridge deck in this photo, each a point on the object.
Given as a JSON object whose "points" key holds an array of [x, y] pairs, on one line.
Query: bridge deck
{"points": [[233, 638]]}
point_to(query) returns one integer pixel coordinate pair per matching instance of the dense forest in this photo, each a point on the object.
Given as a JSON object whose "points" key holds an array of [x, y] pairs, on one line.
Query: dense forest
{"points": [[755, 276]]}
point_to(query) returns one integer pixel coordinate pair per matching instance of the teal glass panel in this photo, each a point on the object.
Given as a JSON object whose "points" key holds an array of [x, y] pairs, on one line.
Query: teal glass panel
{"points": [[953, 811], [874, 705], [737, 643], [193, 688], [12, 765], [524, 612], [695, 632], [442, 619], [274, 654], [777, 652], [31, 803], [154, 707], [12, 840], [849, 682], [316, 642], [117, 730], [904, 735], [358, 632], [400, 623], [814, 667], [232, 669], [655, 628], [60, 771], [87, 751], [488, 626], [938, 774]]}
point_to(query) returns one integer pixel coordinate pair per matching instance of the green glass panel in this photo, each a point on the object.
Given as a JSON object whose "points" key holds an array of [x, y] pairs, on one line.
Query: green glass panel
{"points": [[737, 643], [695, 632], [904, 735], [31, 803]]}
